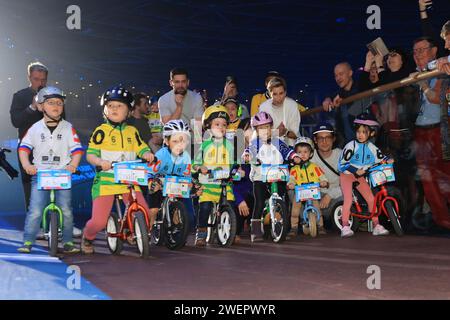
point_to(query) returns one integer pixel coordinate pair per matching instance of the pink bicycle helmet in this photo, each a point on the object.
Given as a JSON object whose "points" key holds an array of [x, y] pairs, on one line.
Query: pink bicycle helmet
{"points": [[260, 119], [367, 120]]}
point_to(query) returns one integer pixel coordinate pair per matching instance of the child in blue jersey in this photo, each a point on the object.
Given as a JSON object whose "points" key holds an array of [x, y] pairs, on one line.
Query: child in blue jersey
{"points": [[356, 157], [264, 149], [172, 161]]}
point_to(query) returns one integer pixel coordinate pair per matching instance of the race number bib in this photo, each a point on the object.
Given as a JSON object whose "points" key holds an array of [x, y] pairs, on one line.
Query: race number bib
{"points": [[275, 173], [54, 180], [310, 191], [382, 174], [178, 187], [131, 173]]}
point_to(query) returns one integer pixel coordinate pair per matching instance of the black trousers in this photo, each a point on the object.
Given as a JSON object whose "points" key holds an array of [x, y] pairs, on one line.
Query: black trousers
{"points": [[261, 192]]}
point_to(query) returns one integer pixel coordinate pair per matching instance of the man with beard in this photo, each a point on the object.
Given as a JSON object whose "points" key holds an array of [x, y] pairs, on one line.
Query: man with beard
{"points": [[180, 103]]}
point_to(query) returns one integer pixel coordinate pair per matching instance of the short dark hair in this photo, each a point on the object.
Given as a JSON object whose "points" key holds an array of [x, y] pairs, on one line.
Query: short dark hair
{"points": [[37, 66], [138, 97], [178, 71], [430, 40]]}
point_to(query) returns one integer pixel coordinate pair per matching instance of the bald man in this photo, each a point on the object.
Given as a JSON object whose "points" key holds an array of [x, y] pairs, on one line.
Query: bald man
{"points": [[345, 114]]}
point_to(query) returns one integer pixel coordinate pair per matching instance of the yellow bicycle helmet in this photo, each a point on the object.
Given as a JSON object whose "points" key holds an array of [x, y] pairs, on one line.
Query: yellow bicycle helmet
{"points": [[214, 112]]}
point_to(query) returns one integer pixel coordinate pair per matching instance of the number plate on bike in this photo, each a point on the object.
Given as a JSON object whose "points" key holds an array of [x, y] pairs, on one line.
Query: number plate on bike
{"points": [[275, 173], [54, 180], [221, 174], [178, 187], [382, 174], [305, 192], [131, 173]]}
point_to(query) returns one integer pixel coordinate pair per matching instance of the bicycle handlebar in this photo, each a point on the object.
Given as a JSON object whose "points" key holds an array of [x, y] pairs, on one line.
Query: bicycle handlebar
{"points": [[113, 163]]}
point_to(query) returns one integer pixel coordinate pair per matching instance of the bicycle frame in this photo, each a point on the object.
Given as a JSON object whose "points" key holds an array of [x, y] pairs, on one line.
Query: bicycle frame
{"points": [[126, 221], [379, 203], [52, 207], [310, 207]]}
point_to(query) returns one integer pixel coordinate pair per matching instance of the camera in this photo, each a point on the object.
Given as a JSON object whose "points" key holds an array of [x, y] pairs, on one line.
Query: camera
{"points": [[4, 165]]}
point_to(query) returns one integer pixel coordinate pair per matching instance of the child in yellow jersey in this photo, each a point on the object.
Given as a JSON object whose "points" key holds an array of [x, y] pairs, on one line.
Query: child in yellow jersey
{"points": [[305, 172], [112, 141], [214, 153]]}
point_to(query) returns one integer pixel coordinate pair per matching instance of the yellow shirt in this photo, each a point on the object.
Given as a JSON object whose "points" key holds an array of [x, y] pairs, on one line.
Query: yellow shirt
{"points": [[308, 173], [121, 143]]}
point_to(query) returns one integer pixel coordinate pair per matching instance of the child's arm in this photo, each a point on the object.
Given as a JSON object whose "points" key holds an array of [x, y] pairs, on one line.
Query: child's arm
{"points": [[98, 162], [73, 165], [25, 148], [76, 151], [286, 151], [197, 164], [27, 166], [345, 158]]}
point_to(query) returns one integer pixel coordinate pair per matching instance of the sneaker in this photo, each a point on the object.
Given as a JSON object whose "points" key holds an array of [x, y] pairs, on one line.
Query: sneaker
{"points": [[69, 247], [87, 246], [200, 237], [26, 248], [322, 230], [256, 232], [76, 232], [379, 230], [305, 229], [292, 234], [237, 240], [346, 232]]}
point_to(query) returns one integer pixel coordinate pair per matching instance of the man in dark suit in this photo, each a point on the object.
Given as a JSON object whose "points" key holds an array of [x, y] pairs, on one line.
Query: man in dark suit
{"points": [[24, 112]]}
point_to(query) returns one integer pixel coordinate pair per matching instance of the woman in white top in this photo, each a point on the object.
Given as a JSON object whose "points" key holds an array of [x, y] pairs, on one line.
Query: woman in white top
{"points": [[283, 110]]}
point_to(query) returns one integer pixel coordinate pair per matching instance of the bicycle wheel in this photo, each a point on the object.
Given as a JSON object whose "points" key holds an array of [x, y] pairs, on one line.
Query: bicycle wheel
{"points": [[337, 218], [279, 227], [393, 216], [312, 219], [115, 244], [157, 234], [141, 233], [226, 226], [211, 230], [177, 233], [53, 233]]}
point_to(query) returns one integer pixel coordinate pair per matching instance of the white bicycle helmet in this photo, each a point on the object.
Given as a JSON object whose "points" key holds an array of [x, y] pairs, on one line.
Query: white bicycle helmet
{"points": [[48, 93], [175, 126], [305, 141]]}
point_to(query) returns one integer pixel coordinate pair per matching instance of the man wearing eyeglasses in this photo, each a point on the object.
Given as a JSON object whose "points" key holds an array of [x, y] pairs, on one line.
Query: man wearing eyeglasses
{"points": [[327, 158], [430, 134]]}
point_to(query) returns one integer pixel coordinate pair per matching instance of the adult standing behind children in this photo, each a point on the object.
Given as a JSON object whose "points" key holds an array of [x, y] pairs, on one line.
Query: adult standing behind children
{"points": [[24, 113], [283, 110]]}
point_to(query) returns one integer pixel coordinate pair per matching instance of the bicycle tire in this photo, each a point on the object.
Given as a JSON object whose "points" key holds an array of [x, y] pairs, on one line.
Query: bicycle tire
{"points": [[393, 216], [53, 233], [312, 219], [115, 244], [141, 233], [176, 235], [226, 237], [279, 230]]}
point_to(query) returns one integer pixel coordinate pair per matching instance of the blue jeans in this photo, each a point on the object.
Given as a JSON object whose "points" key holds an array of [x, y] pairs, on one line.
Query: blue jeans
{"points": [[38, 201]]}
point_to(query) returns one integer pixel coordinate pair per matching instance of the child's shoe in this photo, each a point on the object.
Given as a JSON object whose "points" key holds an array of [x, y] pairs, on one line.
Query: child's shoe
{"points": [[346, 232], [379, 230], [87, 246], [70, 248], [26, 248], [200, 237], [256, 232]]}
